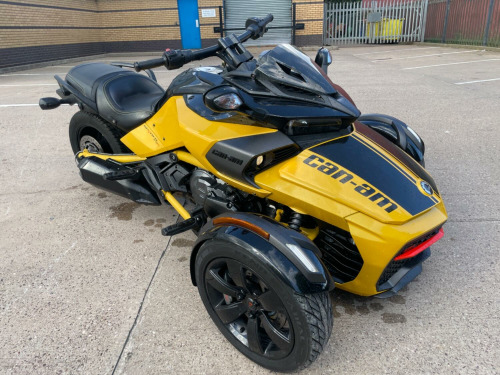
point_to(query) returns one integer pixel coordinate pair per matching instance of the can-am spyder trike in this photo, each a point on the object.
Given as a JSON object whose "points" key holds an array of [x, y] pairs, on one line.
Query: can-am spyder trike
{"points": [[292, 191]]}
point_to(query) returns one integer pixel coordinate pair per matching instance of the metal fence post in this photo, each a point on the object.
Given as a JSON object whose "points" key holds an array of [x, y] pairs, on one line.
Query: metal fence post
{"points": [[488, 23], [294, 20], [324, 22], [424, 21], [220, 22], [445, 26]]}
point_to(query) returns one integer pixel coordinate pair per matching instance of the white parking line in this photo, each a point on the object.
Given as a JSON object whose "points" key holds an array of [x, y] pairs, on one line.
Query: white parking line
{"points": [[455, 63], [393, 50], [478, 81], [434, 54], [29, 74], [17, 105], [31, 84]]}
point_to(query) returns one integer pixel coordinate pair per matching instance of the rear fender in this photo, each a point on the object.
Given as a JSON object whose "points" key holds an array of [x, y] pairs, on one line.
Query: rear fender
{"points": [[292, 256]]}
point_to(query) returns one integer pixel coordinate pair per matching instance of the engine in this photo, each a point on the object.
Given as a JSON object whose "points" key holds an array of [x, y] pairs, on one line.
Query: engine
{"points": [[217, 197]]}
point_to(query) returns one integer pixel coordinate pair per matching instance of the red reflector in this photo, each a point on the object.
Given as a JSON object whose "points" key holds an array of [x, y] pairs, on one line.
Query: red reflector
{"points": [[243, 224], [412, 251]]}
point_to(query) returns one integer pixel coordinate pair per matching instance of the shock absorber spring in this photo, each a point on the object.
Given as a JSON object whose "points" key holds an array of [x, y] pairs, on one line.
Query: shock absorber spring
{"points": [[295, 221]]}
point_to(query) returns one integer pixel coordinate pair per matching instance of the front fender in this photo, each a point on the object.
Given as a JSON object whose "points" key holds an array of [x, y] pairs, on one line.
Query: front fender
{"points": [[291, 255], [398, 133]]}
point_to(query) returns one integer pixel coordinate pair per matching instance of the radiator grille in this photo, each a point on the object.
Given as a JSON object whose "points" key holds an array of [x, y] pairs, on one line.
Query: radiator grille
{"points": [[340, 254]]}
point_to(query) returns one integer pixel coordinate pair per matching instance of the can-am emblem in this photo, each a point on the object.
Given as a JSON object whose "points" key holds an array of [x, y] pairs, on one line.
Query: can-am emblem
{"points": [[426, 187]]}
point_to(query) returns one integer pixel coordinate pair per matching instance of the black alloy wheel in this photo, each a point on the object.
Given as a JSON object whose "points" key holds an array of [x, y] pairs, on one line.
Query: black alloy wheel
{"points": [[251, 311], [257, 311]]}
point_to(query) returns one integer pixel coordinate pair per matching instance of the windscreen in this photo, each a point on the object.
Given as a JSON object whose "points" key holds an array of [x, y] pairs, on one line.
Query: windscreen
{"points": [[288, 66]]}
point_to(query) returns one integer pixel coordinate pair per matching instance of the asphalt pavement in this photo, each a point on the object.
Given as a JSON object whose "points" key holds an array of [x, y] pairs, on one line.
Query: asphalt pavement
{"points": [[88, 285]]}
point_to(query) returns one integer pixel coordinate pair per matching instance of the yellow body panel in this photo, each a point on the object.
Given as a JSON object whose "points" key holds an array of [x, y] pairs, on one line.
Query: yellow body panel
{"points": [[378, 243], [176, 126], [301, 197], [309, 191], [157, 135], [378, 233]]}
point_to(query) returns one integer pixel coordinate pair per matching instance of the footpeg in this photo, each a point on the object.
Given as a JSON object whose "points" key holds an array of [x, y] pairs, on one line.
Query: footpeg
{"points": [[191, 223]]}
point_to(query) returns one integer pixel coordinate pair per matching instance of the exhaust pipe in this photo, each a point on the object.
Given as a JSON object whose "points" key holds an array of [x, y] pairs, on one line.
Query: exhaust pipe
{"points": [[95, 171]]}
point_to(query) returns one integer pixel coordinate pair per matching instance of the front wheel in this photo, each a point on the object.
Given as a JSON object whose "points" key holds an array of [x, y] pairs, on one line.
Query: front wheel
{"points": [[258, 312]]}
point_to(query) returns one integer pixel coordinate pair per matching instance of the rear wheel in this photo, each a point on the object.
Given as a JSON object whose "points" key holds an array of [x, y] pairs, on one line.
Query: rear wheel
{"points": [[87, 131], [258, 312]]}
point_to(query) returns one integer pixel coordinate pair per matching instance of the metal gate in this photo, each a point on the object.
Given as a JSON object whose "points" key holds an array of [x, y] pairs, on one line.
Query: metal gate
{"points": [[383, 21], [236, 13]]}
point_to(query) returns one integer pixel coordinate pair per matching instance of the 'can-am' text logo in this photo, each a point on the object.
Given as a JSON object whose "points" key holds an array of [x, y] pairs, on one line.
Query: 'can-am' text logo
{"points": [[343, 177]]}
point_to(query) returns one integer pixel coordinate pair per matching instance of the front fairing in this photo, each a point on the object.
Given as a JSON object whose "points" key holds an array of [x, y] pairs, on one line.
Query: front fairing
{"points": [[354, 173], [287, 77]]}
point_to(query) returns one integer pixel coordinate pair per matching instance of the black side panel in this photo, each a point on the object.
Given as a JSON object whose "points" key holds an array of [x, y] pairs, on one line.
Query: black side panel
{"points": [[234, 157]]}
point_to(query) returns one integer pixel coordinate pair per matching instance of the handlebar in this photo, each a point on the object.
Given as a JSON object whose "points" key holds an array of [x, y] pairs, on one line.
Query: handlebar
{"points": [[255, 28], [174, 59], [148, 64]]}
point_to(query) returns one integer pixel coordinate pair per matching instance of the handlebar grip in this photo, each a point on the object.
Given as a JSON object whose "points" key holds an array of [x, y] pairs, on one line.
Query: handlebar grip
{"points": [[148, 64], [255, 28], [267, 19]]}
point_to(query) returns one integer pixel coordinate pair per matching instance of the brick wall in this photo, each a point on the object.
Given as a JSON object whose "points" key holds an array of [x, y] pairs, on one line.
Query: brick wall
{"points": [[34, 31], [310, 13], [207, 24]]}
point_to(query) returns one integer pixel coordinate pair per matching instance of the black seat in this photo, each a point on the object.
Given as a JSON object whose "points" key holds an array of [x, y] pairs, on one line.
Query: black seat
{"points": [[123, 98]]}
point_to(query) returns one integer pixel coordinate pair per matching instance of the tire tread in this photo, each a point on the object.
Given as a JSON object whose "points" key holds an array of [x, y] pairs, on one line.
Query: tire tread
{"points": [[97, 122], [318, 311]]}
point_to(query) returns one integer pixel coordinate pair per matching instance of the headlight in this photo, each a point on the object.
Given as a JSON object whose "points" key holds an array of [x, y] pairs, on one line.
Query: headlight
{"points": [[223, 98], [228, 101]]}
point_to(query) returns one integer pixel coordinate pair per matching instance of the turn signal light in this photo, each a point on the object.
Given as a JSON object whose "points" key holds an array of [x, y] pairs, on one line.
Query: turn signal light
{"points": [[243, 224]]}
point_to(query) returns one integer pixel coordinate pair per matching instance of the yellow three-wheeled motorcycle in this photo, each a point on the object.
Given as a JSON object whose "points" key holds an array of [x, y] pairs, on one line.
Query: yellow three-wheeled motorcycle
{"points": [[293, 190]]}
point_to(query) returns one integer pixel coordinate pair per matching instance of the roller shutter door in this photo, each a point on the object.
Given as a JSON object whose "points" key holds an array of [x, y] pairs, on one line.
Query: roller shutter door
{"points": [[237, 12]]}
